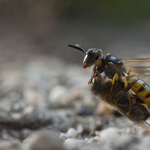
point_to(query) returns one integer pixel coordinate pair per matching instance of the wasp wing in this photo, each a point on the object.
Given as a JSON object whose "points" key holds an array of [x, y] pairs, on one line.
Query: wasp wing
{"points": [[138, 114], [139, 66]]}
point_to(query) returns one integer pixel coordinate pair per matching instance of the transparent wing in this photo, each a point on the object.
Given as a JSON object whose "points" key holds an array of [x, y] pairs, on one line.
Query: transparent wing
{"points": [[137, 113], [139, 66]]}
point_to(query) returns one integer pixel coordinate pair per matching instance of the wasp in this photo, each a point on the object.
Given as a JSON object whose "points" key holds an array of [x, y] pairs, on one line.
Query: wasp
{"points": [[115, 90], [112, 67]]}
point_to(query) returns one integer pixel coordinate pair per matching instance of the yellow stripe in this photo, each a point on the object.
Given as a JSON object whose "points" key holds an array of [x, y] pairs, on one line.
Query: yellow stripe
{"points": [[131, 79], [135, 88], [143, 94]]}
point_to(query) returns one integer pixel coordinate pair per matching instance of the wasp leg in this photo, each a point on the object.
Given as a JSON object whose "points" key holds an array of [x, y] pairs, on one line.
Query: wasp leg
{"points": [[115, 78], [92, 76], [97, 64], [129, 73], [126, 89]]}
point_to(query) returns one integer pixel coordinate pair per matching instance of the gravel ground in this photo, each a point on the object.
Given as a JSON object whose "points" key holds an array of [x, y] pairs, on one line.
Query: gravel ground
{"points": [[46, 104]]}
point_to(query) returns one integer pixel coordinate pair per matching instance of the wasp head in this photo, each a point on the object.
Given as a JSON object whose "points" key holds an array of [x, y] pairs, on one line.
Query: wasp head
{"points": [[91, 55]]}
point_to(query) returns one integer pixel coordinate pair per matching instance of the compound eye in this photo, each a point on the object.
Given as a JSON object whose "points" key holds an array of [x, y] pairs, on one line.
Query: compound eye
{"points": [[90, 58]]}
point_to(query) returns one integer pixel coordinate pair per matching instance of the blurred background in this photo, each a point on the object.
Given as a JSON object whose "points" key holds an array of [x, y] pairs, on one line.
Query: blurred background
{"points": [[45, 27], [42, 81]]}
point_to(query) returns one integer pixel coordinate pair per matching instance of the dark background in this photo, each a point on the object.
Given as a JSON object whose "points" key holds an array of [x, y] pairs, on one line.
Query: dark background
{"points": [[44, 27]]}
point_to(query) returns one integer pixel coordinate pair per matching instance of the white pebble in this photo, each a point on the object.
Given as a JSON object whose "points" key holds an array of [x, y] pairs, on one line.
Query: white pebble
{"points": [[28, 110], [123, 140], [144, 143], [32, 97], [16, 116], [109, 133], [43, 140], [63, 136], [80, 129], [72, 132], [74, 143], [57, 95]]}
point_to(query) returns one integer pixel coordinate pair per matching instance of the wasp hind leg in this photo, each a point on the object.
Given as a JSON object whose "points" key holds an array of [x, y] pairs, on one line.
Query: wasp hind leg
{"points": [[129, 73], [126, 89], [115, 78]]}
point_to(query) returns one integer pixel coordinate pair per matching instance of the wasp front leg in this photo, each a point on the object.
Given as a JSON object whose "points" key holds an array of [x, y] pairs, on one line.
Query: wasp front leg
{"points": [[95, 70]]}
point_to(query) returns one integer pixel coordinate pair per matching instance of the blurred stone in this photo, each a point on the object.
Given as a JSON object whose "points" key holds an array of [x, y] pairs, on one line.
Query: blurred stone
{"points": [[15, 134], [64, 136], [28, 110], [92, 140], [109, 133], [76, 93], [5, 136], [85, 111], [144, 132], [43, 140], [32, 97], [97, 138], [26, 132], [98, 146], [83, 130], [72, 132], [58, 96], [72, 144], [14, 145], [80, 129], [144, 144], [98, 125], [16, 116], [124, 141]]}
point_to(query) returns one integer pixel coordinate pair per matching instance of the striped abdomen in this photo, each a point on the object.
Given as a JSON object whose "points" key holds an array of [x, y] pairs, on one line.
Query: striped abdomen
{"points": [[140, 88]]}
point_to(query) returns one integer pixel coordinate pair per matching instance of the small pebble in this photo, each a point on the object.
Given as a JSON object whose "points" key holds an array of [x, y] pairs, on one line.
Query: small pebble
{"points": [[83, 130], [144, 143], [144, 132], [97, 138], [72, 144], [13, 145], [32, 97], [80, 129], [43, 140], [64, 136], [85, 111], [109, 133], [72, 132], [58, 96], [124, 140], [26, 132], [28, 110], [16, 116], [92, 140]]}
